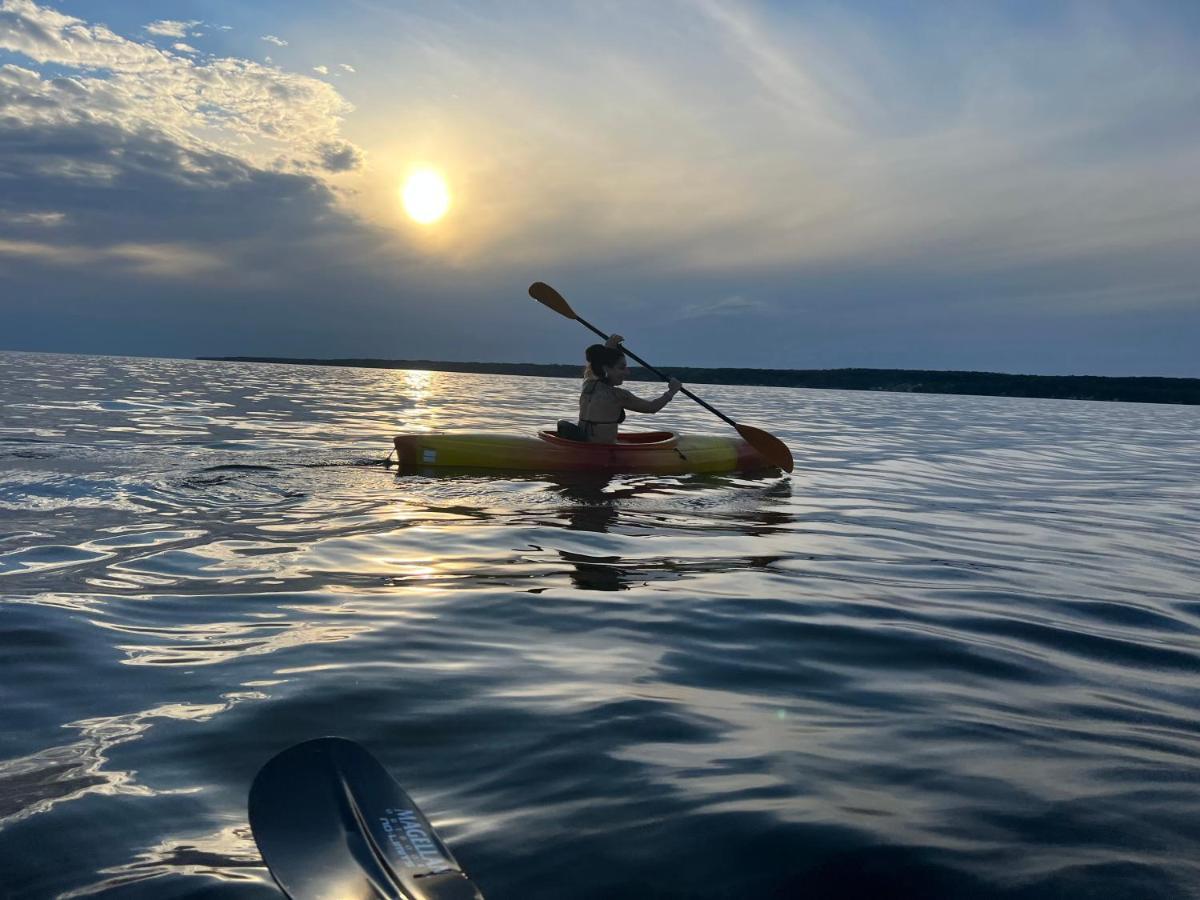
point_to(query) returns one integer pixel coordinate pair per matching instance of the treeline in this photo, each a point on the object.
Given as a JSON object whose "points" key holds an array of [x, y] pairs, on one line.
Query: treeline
{"points": [[991, 384]]}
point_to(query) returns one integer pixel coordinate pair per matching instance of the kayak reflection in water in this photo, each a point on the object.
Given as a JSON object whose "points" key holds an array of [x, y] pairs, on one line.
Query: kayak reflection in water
{"points": [[602, 402]]}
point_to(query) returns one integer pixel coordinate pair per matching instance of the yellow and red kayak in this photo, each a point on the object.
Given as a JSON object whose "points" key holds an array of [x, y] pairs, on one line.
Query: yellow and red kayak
{"points": [[661, 452]]}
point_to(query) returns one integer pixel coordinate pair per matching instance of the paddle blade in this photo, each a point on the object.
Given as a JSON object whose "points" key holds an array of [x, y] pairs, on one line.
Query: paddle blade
{"points": [[769, 447], [548, 296], [331, 822]]}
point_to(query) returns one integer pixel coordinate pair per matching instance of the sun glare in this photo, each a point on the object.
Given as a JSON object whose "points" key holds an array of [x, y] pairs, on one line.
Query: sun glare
{"points": [[426, 197]]}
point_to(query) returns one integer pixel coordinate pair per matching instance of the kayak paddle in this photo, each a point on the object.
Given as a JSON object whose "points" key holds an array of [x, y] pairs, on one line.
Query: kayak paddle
{"points": [[771, 448], [331, 822]]}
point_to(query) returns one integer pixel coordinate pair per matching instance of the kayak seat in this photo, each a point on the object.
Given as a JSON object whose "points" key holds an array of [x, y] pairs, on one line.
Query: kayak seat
{"points": [[569, 431]]}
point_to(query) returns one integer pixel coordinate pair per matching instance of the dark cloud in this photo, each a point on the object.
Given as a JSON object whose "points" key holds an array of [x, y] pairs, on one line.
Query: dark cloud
{"points": [[123, 185], [150, 171], [340, 157]]}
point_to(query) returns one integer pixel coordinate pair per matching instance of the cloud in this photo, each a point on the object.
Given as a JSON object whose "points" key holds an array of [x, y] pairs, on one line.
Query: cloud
{"points": [[727, 307], [150, 259], [256, 113], [40, 219], [271, 39], [321, 70], [346, 67], [147, 164], [340, 156], [184, 48], [171, 28], [106, 185]]}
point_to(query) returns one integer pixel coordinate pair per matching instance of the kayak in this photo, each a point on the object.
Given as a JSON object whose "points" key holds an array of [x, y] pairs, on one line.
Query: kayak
{"points": [[660, 452]]}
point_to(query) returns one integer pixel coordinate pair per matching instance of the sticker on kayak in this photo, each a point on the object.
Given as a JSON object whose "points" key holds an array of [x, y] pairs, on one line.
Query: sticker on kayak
{"points": [[428, 456]]}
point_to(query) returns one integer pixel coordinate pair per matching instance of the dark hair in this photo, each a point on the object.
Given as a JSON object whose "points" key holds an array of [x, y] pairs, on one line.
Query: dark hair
{"points": [[600, 358]]}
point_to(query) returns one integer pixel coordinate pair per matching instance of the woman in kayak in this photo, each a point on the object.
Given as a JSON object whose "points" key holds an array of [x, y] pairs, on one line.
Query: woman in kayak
{"points": [[602, 402]]}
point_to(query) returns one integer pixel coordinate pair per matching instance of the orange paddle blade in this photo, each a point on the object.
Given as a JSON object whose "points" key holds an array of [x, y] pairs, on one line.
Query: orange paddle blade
{"points": [[548, 296], [771, 448]]}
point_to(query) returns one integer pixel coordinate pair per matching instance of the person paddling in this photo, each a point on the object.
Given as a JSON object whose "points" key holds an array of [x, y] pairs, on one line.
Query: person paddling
{"points": [[603, 402]]}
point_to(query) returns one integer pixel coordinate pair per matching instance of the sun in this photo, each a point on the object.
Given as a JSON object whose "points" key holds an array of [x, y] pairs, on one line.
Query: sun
{"points": [[426, 197]]}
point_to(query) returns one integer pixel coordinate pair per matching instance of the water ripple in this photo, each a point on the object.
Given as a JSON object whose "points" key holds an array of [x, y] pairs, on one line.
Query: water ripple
{"points": [[954, 655]]}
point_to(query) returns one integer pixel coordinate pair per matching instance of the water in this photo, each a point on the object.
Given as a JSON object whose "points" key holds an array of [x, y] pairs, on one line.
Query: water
{"points": [[954, 655]]}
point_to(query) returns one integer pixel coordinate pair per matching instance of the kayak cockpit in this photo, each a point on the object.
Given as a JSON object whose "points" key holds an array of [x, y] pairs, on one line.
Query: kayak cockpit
{"points": [[634, 440]]}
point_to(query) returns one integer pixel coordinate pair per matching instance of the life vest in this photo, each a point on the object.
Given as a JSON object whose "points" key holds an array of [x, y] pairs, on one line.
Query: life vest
{"points": [[586, 423]]}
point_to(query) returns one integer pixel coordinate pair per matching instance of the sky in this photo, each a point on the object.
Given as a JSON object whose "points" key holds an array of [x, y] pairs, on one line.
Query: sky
{"points": [[1004, 186]]}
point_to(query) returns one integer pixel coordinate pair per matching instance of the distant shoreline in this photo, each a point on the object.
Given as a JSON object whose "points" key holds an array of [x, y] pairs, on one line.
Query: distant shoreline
{"points": [[1140, 389]]}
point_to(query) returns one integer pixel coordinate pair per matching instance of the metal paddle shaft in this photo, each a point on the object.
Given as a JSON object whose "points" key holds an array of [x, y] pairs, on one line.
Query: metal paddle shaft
{"points": [[772, 448], [331, 822]]}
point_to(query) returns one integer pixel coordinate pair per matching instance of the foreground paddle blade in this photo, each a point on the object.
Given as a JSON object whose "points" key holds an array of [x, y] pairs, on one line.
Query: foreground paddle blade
{"points": [[332, 824], [548, 296], [771, 448]]}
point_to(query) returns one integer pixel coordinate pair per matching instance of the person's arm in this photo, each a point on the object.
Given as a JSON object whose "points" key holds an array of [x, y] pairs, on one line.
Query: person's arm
{"points": [[637, 404], [614, 341]]}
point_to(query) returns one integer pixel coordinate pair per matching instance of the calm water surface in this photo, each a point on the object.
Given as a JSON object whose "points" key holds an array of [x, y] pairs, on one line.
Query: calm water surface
{"points": [[956, 654]]}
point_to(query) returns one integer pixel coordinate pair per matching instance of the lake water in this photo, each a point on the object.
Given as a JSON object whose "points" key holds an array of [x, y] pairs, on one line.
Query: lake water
{"points": [[955, 654]]}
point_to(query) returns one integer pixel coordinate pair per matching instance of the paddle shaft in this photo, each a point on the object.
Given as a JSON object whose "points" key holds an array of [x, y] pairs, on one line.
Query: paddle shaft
{"points": [[663, 375]]}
